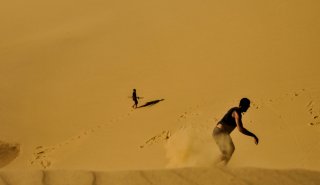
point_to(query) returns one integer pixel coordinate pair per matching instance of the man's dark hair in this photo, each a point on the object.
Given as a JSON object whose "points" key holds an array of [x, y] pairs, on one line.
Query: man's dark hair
{"points": [[244, 102]]}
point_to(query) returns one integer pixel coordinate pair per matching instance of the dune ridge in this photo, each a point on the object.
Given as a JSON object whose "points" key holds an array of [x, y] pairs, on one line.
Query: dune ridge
{"points": [[181, 176]]}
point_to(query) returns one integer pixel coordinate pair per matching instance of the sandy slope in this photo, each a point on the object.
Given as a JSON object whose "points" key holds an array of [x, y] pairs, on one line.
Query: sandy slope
{"points": [[203, 176], [68, 67]]}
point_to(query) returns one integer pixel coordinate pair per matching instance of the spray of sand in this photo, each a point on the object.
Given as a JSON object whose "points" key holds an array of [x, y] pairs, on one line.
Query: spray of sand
{"points": [[191, 146]]}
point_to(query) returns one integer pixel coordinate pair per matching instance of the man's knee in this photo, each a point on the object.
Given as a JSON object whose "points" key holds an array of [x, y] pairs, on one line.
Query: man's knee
{"points": [[230, 152]]}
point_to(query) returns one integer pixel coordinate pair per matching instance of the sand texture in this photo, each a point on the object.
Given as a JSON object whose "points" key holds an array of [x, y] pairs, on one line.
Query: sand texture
{"points": [[187, 176], [68, 69]]}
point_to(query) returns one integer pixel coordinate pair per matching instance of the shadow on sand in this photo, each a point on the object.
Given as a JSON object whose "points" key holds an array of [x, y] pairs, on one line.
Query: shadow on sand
{"points": [[150, 103]]}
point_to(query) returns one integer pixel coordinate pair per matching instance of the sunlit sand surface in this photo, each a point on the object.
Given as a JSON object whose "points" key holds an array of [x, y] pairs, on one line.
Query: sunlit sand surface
{"points": [[68, 68]]}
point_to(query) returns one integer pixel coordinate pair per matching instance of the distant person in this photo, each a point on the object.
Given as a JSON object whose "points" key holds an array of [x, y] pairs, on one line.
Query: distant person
{"points": [[222, 131], [135, 98]]}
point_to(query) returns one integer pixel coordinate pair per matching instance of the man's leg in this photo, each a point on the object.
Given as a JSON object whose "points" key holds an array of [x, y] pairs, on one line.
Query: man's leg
{"points": [[225, 145], [135, 105], [229, 148]]}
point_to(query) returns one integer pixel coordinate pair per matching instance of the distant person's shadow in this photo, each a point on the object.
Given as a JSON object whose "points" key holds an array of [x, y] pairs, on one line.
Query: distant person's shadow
{"points": [[150, 103]]}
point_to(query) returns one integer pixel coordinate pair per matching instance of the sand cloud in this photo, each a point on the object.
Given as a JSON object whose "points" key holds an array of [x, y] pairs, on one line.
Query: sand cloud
{"points": [[191, 146]]}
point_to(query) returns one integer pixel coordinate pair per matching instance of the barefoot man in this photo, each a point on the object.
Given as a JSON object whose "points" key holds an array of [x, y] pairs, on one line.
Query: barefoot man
{"points": [[135, 98], [222, 131]]}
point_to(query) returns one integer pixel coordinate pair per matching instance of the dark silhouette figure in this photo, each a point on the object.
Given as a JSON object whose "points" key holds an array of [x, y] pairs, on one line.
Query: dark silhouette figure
{"points": [[222, 131], [150, 103], [135, 98]]}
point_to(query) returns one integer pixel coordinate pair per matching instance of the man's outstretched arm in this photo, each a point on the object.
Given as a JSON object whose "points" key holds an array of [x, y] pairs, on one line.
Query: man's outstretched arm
{"points": [[242, 129]]}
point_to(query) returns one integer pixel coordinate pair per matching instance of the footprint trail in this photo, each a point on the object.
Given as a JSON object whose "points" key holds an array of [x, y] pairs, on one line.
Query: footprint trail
{"points": [[42, 155]]}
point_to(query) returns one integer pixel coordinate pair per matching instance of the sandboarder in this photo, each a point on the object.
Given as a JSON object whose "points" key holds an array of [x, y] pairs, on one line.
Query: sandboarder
{"points": [[222, 131]]}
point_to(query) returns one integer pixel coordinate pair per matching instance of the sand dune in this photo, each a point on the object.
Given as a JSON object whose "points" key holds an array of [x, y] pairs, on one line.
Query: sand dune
{"points": [[67, 69], [186, 176], [187, 142]]}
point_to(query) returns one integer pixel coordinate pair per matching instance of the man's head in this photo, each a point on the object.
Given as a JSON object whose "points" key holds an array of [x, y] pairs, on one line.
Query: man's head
{"points": [[244, 104]]}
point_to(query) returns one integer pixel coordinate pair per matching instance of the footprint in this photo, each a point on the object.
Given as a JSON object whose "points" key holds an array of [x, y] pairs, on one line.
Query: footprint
{"points": [[312, 111], [165, 135], [310, 104], [254, 105], [39, 147], [314, 124], [45, 164], [41, 156]]}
